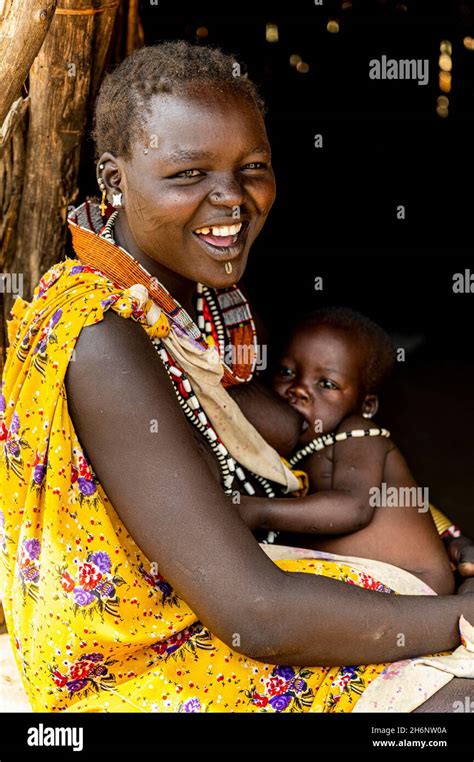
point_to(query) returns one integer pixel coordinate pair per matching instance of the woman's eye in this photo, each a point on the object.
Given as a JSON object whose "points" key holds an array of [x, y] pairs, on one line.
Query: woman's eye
{"points": [[255, 165], [189, 173], [326, 383]]}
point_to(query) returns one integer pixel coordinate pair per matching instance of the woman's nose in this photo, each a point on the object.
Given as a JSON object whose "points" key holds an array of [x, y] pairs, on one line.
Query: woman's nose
{"points": [[228, 192]]}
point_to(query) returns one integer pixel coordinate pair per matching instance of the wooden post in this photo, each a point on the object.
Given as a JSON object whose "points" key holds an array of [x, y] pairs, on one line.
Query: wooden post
{"points": [[24, 24], [66, 71], [23, 28]]}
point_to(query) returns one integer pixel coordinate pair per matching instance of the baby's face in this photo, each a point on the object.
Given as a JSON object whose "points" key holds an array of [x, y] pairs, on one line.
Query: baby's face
{"points": [[320, 375]]}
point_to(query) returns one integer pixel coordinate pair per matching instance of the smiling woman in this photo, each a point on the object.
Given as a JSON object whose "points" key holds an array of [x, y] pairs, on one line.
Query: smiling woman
{"points": [[193, 167], [131, 583]]}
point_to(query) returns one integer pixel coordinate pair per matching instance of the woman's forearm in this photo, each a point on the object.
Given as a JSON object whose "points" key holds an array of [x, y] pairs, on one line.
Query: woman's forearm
{"points": [[329, 512], [320, 621]]}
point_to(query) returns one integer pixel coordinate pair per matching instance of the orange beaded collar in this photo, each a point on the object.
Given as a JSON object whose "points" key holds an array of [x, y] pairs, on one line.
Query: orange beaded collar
{"points": [[91, 248]]}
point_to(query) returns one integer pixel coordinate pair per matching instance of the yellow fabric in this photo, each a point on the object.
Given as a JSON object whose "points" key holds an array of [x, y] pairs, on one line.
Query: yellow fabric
{"points": [[93, 624]]}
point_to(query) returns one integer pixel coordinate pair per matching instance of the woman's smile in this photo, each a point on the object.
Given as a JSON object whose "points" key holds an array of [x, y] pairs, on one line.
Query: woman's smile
{"points": [[223, 240]]}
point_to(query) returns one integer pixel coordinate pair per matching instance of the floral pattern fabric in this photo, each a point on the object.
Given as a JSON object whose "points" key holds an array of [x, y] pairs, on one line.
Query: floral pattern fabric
{"points": [[94, 626]]}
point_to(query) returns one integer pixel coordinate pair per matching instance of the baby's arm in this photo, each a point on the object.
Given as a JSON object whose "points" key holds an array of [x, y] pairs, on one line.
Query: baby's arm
{"points": [[358, 466]]}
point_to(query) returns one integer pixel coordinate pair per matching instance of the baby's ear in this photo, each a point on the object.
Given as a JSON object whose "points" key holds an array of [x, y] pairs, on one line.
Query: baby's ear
{"points": [[370, 405]]}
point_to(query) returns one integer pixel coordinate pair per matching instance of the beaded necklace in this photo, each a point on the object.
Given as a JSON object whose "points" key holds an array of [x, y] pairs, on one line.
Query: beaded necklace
{"points": [[209, 325], [329, 439], [238, 326], [319, 444]]}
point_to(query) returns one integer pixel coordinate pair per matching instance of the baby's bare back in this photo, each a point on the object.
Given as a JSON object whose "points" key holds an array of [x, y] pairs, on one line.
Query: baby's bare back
{"points": [[401, 532]]}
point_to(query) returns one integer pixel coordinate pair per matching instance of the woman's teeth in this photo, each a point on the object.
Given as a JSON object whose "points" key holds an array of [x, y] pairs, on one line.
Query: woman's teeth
{"points": [[220, 236], [220, 230]]}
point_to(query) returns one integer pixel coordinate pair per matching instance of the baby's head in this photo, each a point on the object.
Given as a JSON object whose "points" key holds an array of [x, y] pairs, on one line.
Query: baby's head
{"points": [[332, 365]]}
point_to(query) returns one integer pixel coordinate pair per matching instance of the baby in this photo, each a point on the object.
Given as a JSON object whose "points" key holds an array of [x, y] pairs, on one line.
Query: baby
{"points": [[367, 503]]}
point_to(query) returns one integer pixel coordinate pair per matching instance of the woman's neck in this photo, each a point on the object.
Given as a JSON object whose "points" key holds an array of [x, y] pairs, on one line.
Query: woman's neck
{"points": [[181, 289]]}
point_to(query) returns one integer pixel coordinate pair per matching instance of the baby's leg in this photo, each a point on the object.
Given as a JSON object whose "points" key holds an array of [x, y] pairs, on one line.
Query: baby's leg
{"points": [[453, 696]]}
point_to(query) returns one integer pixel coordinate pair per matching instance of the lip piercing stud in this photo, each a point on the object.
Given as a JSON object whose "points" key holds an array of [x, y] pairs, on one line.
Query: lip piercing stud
{"points": [[228, 267]]}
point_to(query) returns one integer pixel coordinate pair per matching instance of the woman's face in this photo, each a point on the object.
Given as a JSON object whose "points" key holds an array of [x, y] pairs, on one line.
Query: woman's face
{"points": [[199, 185]]}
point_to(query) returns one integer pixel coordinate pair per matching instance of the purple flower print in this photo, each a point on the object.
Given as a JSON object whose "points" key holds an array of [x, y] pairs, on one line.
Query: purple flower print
{"points": [[15, 424], [165, 588], [349, 672], [38, 473], [192, 705], [95, 657], [55, 318], [83, 597], [279, 703], [285, 672], [30, 573], [76, 685], [106, 589], [3, 403], [40, 347], [101, 560], [13, 449], [32, 548], [299, 685], [107, 302], [2, 520], [76, 269], [85, 486]]}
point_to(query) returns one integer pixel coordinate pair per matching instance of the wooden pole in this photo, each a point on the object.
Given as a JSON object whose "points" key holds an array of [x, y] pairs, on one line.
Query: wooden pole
{"points": [[62, 78], [132, 25], [23, 27]]}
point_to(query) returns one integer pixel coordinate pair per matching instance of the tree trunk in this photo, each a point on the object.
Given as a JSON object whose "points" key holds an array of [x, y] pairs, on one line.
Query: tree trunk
{"points": [[66, 71], [24, 24], [12, 167]]}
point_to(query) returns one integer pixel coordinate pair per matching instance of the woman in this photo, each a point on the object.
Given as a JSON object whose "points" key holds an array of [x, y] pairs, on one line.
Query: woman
{"points": [[130, 582]]}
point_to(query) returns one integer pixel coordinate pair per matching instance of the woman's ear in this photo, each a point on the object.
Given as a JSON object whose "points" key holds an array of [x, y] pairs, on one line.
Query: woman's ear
{"points": [[109, 176], [370, 405]]}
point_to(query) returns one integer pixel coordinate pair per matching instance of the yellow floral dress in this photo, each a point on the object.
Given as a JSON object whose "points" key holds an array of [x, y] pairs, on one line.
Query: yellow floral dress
{"points": [[93, 625]]}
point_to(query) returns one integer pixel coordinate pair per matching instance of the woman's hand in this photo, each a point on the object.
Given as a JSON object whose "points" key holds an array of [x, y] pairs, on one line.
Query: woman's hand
{"points": [[466, 587]]}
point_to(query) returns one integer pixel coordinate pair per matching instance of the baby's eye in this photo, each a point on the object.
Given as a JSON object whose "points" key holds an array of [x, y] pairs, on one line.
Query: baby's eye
{"points": [[326, 383], [285, 372]]}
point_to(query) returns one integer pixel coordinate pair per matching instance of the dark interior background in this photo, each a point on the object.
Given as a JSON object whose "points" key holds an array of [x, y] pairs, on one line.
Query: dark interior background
{"points": [[335, 216]]}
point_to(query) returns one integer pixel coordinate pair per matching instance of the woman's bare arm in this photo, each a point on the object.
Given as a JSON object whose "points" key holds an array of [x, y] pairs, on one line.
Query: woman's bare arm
{"points": [[178, 515]]}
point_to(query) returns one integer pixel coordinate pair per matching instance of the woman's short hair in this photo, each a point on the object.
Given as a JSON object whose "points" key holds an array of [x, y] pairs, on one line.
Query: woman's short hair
{"points": [[171, 67]]}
